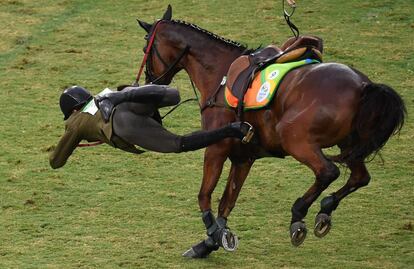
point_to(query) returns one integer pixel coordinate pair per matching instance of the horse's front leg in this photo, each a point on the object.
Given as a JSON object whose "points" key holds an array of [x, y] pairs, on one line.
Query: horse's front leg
{"points": [[238, 174], [214, 159]]}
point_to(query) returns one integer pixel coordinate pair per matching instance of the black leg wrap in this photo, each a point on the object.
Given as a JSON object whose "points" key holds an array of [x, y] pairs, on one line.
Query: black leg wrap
{"points": [[221, 222], [329, 204], [299, 210], [218, 233], [204, 248], [209, 222]]}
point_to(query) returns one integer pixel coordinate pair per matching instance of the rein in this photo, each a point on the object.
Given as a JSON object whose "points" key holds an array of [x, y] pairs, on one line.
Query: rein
{"points": [[211, 102], [288, 15], [185, 101], [147, 51], [171, 66]]}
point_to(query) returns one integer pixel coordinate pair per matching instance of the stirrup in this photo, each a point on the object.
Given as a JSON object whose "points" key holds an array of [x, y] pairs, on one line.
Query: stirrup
{"points": [[249, 135]]}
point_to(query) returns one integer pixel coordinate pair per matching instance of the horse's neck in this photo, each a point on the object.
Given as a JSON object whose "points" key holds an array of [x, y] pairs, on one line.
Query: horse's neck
{"points": [[207, 72], [208, 60]]}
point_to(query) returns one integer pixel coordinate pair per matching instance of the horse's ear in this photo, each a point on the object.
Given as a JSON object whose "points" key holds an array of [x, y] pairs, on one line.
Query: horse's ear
{"points": [[168, 14], [144, 25]]}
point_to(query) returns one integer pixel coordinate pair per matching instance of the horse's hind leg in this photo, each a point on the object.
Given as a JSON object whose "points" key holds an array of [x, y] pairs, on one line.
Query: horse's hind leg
{"points": [[359, 177], [325, 172]]}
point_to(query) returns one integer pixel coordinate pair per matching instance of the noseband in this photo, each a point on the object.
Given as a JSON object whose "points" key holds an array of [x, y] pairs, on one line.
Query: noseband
{"points": [[146, 61]]}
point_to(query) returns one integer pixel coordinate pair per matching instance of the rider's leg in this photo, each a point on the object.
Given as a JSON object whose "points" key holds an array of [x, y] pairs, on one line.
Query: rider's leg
{"points": [[144, 131]]}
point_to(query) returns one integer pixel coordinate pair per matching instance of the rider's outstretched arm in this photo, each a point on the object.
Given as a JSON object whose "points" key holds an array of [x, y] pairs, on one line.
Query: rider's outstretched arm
{"points": [[67, 144]]}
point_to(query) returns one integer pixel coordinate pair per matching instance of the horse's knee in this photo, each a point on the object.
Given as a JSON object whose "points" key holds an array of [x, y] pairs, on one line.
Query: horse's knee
{"points": [[328, 175], [329, 204]]}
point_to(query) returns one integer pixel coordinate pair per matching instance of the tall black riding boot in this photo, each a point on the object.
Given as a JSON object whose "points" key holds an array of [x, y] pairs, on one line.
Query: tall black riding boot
{"points": [[143, 94], [202, 139]]}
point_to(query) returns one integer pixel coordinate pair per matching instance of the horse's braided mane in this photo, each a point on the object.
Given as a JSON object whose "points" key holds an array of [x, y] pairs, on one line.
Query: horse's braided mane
{"points": [[210, 34]]}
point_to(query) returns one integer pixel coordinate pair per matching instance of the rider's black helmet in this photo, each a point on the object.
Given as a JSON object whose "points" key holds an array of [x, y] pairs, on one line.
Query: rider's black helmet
{"points": [[73, 98]]}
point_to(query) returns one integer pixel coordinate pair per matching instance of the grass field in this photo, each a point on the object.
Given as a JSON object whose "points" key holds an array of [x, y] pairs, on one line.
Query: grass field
{"points": [[109, 209]]}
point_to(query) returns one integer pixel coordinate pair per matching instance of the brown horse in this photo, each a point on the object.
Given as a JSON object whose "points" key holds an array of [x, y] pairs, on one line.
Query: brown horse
{"points": [[317, 106]]}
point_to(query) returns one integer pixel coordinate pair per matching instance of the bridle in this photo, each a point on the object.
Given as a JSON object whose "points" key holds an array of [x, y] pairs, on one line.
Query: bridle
{"points": [[146, 61], [169, 67]]}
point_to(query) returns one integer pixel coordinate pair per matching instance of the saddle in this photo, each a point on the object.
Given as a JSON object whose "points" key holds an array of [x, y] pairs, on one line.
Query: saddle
{"points": [[243, 69]]}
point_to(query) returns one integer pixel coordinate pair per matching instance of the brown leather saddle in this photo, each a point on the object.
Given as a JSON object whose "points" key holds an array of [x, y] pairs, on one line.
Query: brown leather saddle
{"points": [[243, 69]]}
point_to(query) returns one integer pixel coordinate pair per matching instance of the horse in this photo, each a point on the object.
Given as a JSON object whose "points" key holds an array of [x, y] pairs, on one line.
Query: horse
{"points": [[316, 106]]}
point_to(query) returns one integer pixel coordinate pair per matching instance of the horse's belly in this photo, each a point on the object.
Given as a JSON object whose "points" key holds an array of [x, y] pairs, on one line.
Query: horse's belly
{"points": [[265, 122]]}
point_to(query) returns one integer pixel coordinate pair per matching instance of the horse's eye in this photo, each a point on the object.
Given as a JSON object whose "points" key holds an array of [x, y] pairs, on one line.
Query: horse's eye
{"points": [[146, 37]]}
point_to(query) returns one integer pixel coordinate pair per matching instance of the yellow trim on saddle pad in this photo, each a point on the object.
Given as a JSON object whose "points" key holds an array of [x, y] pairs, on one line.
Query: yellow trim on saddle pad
{"points": [[264, 85]]}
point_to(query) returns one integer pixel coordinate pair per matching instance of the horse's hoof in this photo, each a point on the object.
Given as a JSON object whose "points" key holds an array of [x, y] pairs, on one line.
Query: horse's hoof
{"points": [[229, 241], [298, 233], [201, 250], [322, 224]]}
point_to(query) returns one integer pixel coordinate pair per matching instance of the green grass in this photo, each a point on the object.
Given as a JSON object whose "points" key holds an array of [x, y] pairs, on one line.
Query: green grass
{"points": [[109, 209]]}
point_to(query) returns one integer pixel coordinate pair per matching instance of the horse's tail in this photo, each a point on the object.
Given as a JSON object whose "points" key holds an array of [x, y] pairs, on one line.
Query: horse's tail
{"points": [[380, 115]]}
